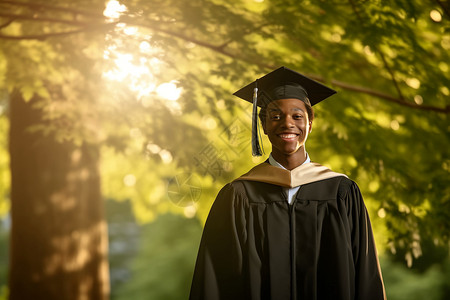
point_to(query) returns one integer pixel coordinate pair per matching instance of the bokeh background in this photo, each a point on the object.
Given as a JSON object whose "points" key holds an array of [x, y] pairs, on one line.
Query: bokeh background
{"points": [[118, 128]]}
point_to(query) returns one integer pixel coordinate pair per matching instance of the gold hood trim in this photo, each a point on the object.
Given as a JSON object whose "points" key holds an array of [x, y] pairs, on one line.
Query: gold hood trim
{"points": [[304, 174]]}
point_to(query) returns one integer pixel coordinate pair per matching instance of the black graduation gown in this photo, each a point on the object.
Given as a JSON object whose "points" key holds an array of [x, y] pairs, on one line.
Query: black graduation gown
{"points": [[257, 246]]}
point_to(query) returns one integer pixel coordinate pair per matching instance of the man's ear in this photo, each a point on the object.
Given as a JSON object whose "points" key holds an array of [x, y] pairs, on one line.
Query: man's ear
{"points": [[310, 126]]}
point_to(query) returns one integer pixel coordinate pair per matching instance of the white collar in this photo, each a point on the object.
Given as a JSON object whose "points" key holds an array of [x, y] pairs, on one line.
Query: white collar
{"points": [[274, 163]]}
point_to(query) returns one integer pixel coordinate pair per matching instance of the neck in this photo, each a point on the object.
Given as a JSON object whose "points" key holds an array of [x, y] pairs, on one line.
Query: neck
{"points": [[290, 161]]}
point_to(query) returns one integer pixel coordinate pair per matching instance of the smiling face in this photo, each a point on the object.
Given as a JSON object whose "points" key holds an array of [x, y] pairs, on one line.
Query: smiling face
{"points": [[287, 125]]}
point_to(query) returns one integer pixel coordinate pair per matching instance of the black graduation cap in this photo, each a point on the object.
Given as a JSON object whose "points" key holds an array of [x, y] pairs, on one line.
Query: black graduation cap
{"points": [[282, 83]]}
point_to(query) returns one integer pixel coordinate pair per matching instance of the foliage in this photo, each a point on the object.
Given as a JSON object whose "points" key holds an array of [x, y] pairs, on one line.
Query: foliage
{"points": [[387, 127], [402, 284]]}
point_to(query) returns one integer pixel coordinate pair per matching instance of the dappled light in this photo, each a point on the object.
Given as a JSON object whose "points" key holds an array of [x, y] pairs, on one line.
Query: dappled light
{"points": [[418, 99], [64, 248], [114, 9], [129, 180], [435, 16], [136, 72], [136, 69], [381, 213], [169, 91], [166, 156], [413, 82], [190, 211], [395, 125]]}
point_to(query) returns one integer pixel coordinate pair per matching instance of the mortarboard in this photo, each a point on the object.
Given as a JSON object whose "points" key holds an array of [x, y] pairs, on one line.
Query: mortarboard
{"points": [[282, 83]]}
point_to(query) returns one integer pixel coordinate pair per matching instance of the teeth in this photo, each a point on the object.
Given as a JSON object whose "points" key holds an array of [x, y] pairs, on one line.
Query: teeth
{"points": [[287, 136]]}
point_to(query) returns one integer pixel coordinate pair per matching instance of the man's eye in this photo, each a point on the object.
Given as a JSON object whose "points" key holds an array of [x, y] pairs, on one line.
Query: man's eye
{"points": [[276, 117], [298, 117]]}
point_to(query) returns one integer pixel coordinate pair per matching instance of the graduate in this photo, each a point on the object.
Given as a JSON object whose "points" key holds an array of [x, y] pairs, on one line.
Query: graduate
{"points": [[289, 228]]}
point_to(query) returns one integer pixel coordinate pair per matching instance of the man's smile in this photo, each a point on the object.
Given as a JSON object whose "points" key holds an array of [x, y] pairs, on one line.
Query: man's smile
{"points": [[288, 136]]}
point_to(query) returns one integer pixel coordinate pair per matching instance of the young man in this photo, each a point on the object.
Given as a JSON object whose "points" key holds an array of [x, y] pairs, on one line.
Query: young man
{"points": [[289, 228]]}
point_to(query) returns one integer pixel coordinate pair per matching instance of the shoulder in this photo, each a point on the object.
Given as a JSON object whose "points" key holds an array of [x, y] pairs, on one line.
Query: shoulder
{"points": [[343, 185], [231, 194], [339, 187], [244, 192], [234, 187], [347, 188], [350, 196]]}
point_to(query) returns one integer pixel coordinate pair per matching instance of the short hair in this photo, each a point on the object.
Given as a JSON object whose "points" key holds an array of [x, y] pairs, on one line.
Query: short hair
{"points": [[263, 112]]}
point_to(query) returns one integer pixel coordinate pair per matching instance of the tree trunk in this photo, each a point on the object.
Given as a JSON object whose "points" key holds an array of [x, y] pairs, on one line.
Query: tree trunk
{"points": [[58, 245]]}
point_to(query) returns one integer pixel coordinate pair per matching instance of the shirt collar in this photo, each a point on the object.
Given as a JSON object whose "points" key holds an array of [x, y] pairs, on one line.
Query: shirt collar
{"points": [[273, 162]]}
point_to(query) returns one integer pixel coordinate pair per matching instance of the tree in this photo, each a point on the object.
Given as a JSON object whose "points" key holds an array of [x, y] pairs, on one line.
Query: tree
{"points": [[58, 236], [391, 109]]}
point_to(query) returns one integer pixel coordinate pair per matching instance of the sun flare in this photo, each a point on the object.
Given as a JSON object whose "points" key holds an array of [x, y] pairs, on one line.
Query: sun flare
{"points": [[114, 9], [136, 70]]}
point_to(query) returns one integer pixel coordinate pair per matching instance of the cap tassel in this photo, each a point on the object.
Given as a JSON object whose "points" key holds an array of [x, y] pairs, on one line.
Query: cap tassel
{"points": [[256, 148]]}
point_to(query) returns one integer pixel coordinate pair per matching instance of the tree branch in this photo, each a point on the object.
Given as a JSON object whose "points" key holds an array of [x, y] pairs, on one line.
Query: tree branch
{"points": [[244, 33], [220, 49], [51, 7], [42, 19], [387, 97], [216, 48], [383, 58], [53, 34], [391, 72], [7, 23], [39, 37]]}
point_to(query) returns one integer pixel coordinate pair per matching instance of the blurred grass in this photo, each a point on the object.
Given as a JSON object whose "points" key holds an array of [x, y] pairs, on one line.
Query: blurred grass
{"points": [[161, 264]]}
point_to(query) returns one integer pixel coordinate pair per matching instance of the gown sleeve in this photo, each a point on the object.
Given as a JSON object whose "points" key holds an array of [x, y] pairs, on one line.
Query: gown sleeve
{"points": [[218, 269], [368, 281]]}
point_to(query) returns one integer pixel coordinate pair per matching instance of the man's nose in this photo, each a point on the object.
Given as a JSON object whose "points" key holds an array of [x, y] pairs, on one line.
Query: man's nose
{"points": [[288, 122]]}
